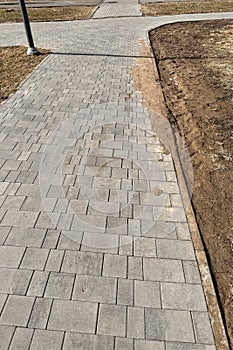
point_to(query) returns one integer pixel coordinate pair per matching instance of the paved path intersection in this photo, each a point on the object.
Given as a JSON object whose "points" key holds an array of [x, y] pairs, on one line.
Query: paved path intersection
{"points": [[95, 248]]}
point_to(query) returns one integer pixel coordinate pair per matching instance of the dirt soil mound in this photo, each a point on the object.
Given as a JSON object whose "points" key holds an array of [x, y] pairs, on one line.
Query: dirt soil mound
{"points": [[195, 62]]}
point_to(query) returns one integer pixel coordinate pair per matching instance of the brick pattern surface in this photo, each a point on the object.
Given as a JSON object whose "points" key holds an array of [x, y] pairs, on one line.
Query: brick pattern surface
{"points": [[95, 249]]}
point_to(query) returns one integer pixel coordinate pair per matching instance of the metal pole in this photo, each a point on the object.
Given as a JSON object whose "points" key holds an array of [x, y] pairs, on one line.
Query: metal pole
{"points": [[32, 50]]}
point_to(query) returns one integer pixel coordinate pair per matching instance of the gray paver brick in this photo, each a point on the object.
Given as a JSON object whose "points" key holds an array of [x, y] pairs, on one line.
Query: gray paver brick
{"points": [[51, 239], [70, 240], [112, 320], [126, 245], [3, 298], [31, 237], [4, 231], [97, 242], [124, 344], [135, 268], [17, 310], [88, 342], [34, 259], [21, 219], [59, 285], [14, 281], [125, 292], [191, 272], [6, 334], [163, 270], [82, 263], [170, 325], [149, 345], [147, 294], [22, 338], [182, 296], [38, 283], [54, 260], [73, 316], [44, 340], [40, 313], [202, 328], [187, 346], [172, 249], [135, 323], [115, 265], [95, 289], [11, 256], [145, 247]]}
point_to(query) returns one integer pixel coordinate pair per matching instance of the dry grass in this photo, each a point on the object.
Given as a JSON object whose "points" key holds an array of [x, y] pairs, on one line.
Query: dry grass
{"points": [[15, 66], [68, 13], [177, 8]]}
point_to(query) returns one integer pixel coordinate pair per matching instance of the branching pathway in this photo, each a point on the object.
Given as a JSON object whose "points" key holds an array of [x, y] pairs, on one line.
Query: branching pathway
{"points": [[95, 248]]}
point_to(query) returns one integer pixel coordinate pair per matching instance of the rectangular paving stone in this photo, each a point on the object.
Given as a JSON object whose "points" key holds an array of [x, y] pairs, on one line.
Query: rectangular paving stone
{"points": [[188, 346], [4, 231], [17, 311], [70, 240], [145, 247], [38, 283], [202, 328], [88, 342], [22, 219], [13, 202], [82, 263], [115, 266], [14, 281], [182, 296], [40, 313], [135, 323], [44, 340], [59, 285], [126, 245], [73, 316], [6, 334], [182, 230], [34, 259], [135, 268], [124, 344], [97, 242], [95, 289], [51, 239], [191, 272], [147, 294], [31, 237], [171, 249], [149, 345], [21, 339], [125, 292], [54, 260], [11, 256], [112, 320], [170, 325], [163, 270]]}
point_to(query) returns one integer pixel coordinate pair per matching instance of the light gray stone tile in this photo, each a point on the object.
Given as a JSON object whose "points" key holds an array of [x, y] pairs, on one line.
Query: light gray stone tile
{"points": [[31, 237], [40, 313], [70, 240], [126, 245], [191, 272], [202, 328], [44, 340], [147, 294], [135, 268], [135, 323], [112, 320], [163, 270], [115, 265], [97, 242], [51, 239], [4, 231], [88, 342], [59, 285], [182, 230], [170, 325], [38, 283], [144, 247], [188, 346], [125, 292], [182, 296], [54, 260], [95, 289], [149, 345], [3, 298], [82, 263], [14, 281], [6, 334], [171, 249], [34, 259], [22, 339], [73, 316], [11, 256], [21, 219], [17, 311]]}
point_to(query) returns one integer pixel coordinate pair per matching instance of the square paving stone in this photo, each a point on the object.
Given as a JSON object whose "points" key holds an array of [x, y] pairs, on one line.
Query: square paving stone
{"points": [[95, 289], [182, 296], [202, 328], [112, 320], [124, 344], [34, 259], [59, 285], [14, 281], [115, 265], [147, 294], [31, 237], [82, 263], [88, 342], [73, 316], [145, 247], [17, 310], [163, 270], [172, 249], [44, 340], [11, 256], [22, 339], [169, 325]]}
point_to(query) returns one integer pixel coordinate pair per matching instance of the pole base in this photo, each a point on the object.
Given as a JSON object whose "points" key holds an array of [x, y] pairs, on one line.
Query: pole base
{"points": [[32, 51]]}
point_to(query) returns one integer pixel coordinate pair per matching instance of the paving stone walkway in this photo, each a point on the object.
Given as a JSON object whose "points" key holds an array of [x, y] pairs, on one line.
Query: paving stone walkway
{"points": [[95, 248]]}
